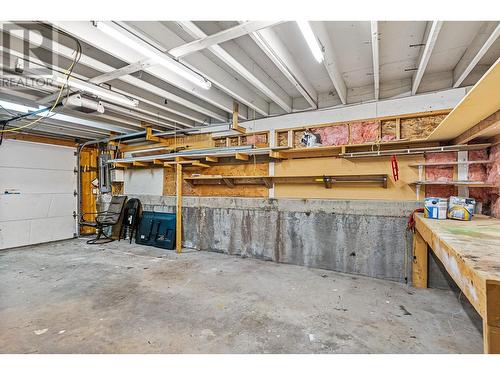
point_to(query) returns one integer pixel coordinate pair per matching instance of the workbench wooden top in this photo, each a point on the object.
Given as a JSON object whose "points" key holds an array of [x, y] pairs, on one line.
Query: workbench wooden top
{"points": [[476, 242]]}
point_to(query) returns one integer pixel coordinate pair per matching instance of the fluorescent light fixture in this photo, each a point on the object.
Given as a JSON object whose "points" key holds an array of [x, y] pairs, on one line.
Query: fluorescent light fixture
{"points": [[16, 107], [157, 56], [96, 90], [312, 42]]}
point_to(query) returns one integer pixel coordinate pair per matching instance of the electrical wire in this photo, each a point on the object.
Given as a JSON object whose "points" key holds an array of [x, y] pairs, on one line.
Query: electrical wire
{"points": [[68, 74]]}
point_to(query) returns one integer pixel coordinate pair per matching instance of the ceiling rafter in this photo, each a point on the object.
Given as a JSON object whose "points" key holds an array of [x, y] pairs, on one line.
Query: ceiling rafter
{"points": [[137, 112], [330, 60], [430, 43], [215, 73], [480, 45], [244, 28], [270, 43], [375, 56], [177, 105], [281, 98], [91, 35]]}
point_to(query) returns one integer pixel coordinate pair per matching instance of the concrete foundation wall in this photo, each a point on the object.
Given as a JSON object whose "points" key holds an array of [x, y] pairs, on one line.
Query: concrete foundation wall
{"points": [[359, 237]]}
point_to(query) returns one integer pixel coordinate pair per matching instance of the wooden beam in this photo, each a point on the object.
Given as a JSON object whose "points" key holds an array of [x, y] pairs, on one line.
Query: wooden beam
{"points": [[420, 261], [178, 209], [276, 155], [158, 162], [220, 37], [235, 125], [426, 54], [154, 138], [475, 52], [122, 165], [39, 139], [398, 128], [241, 156], [491, 323], [212, 159], [375, 55], [491, 123], [197, 163], [140, 164]]}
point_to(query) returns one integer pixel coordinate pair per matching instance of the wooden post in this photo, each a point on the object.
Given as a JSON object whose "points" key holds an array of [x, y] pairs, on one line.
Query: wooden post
{"points": [[178, 209], [491, 322], [420, 261]]}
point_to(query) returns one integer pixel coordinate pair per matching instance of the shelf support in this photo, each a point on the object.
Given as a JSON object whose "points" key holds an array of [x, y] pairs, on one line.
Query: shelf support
{"points": [[228, 182], [178, 209], [241, 156], [268, 182]]}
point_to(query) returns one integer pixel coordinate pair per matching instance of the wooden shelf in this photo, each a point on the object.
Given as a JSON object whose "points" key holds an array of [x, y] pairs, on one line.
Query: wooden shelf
{"points": [[455, 183], [268, 181]]}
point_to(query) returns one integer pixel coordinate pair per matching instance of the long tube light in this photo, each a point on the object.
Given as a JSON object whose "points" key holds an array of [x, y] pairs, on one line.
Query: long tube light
{"points": [[96, 90], [154, 54], [312, 42]]}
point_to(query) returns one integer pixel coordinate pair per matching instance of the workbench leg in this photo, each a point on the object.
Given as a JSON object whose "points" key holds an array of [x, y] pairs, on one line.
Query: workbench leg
{"points": [[178, 208], [491, 322], [420, 261]]}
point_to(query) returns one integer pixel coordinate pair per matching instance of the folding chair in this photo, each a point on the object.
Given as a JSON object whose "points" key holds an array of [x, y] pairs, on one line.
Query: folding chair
{"points": [[105, 219]]}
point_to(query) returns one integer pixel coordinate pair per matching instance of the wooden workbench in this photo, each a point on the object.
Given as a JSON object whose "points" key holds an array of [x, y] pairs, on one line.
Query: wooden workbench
{"points": [[470, 252]]}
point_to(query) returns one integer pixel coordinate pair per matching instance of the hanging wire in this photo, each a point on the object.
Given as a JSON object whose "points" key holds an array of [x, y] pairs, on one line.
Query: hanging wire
{"points": [[69, 71]]}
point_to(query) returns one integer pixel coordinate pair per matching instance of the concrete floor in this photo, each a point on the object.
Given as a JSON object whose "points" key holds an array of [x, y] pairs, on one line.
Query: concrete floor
{"points": [[69, 297]]}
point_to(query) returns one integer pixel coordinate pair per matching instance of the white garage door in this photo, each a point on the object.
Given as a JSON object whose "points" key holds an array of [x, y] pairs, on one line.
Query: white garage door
{"points": [[44, 177]]}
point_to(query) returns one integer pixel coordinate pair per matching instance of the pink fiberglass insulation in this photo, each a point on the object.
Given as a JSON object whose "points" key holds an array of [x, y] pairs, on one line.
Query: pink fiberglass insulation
{"points": [[364, 132], [480, 194], [493, 172], [256, 138], [477, 172], [440, 173], [333, 135], [440, 191], [388, 137]]}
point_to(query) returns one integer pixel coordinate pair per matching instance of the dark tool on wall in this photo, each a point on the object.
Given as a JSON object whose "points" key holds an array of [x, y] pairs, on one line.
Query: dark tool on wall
{"points": [[395, 168], [131, 218]]}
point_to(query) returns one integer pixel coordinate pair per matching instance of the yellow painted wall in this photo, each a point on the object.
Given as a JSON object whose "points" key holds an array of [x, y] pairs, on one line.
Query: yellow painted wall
{"points": [[399, 190]]}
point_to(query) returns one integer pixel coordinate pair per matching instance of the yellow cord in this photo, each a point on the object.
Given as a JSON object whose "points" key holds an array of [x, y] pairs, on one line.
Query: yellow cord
{"points": [[55, 103]]}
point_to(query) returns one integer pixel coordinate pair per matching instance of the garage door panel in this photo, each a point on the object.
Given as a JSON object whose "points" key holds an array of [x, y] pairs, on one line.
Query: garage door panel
{"points": [[35, 206], [28, 181], [36, 155], [43, 176]]}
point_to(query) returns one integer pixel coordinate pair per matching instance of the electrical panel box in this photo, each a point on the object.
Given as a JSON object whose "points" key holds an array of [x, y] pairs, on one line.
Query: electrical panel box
{"points": [[117, 175], [157, 229]]}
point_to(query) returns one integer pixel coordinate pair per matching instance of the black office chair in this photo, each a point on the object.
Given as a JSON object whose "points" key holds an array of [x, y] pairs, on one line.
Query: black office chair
{"points": [[105, 219], [131, 217]]}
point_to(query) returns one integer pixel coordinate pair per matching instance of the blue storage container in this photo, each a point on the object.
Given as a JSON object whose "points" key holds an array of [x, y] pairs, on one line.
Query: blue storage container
{"points": [[157, 229]]}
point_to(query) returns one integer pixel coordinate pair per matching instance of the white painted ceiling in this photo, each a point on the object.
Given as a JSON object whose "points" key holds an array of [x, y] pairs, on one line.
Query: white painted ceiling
{"points": [[262, 88]]}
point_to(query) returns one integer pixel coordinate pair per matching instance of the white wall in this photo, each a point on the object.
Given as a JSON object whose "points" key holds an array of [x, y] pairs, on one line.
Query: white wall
{"points": [[143, 181], [390, 107], [44, 176]]}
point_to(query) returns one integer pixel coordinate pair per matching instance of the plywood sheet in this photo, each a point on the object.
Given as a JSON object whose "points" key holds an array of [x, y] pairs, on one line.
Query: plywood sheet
{"points": [[388, 130], [251, 169], [479, 103], [399, 190], [419, 127]]}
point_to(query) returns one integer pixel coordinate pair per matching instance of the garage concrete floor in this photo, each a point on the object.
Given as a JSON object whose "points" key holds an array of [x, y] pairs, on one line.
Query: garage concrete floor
{"points": [[69, 297]]}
